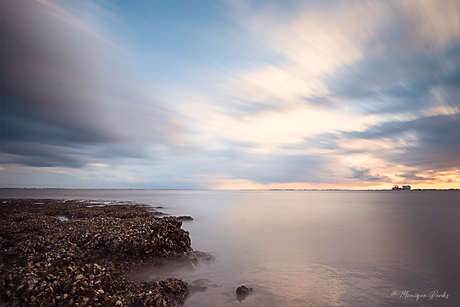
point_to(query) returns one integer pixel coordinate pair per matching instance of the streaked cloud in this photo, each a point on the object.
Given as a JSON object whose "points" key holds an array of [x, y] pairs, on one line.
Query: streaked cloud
{"points": [[66, 98], [302, 94]]}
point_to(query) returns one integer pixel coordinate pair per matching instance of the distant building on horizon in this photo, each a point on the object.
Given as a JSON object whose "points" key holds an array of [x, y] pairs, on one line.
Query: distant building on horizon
{"points": [[404, 187]]}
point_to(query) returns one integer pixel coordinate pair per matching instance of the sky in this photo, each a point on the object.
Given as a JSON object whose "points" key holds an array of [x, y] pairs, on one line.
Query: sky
{"points": [[230, 94]]}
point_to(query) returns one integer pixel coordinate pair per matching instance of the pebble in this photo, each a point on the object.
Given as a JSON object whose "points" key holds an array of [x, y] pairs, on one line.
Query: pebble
{"points": [[242, 292]]}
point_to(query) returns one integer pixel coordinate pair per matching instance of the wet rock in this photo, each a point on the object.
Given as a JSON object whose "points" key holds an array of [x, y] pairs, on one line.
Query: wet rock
{"points": [[83, 261], [242, 292]]}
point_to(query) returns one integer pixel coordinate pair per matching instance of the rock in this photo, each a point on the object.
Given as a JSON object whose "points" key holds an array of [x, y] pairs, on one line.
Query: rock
{"points": [[45, 262], [242, 292], [106, 302]]}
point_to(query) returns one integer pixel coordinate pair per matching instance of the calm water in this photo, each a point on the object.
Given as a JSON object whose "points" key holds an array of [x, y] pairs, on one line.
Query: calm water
{"points": [[311, 248]]}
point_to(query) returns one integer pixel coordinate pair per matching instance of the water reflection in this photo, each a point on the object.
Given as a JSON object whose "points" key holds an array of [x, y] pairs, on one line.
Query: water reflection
{"points": [[327, 249]]}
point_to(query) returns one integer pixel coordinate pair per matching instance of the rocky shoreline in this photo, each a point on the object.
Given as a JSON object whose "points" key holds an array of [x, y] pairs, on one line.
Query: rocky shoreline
{"points": [[77, 253]]}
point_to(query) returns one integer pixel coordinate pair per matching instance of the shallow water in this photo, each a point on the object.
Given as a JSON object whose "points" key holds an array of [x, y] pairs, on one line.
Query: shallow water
{"points": [[310, 248]]}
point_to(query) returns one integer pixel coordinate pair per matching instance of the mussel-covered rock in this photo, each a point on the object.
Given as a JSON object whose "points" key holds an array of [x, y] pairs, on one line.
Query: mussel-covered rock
{"points": [[81, 259]]}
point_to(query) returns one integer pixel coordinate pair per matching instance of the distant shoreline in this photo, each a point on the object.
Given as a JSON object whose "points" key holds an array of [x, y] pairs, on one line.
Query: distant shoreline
{"points": [[239, 190]]}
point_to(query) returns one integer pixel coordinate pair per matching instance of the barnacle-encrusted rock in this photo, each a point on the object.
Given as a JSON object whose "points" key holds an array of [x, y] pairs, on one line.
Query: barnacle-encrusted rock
{"points": [[46, 259]]}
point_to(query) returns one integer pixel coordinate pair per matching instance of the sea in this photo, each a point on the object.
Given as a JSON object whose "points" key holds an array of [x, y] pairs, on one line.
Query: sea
{"points": [[308, 248]]}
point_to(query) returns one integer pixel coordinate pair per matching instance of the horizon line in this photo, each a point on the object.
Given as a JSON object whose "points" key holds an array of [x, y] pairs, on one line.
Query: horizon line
{"points": [[268, 190]]}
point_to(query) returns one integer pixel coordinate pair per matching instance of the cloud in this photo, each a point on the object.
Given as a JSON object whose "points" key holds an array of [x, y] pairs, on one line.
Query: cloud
{"points": [[432, 24], [378, 56], [64, 87], [428, 142], [383, 74], [365, 175], [312, 45], [397, 82], [413, 176], [412, 57], [282, 169], [328, 92]]}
